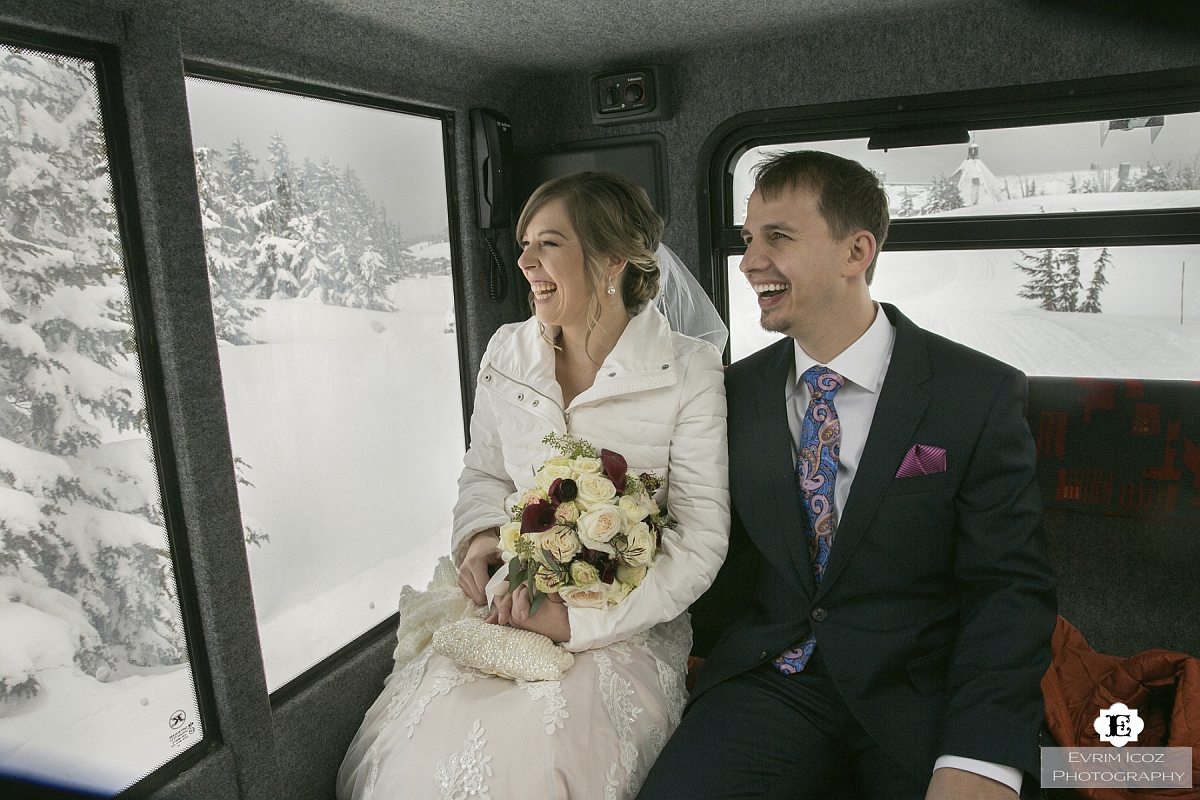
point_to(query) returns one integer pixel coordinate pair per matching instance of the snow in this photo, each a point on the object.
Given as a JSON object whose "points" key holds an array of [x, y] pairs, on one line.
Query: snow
{"points": [[1083, 202], [299, 637], [91, 381], [88, 528], [430, 250], [351, 423], [20, 512], [87, 735], [33, 641], [123, 469], [87, 308], [22, 338], [33, 470]]}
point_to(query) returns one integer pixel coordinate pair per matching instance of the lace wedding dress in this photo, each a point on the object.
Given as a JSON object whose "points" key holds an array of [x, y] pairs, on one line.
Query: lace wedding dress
{"points": [[440, 730]]}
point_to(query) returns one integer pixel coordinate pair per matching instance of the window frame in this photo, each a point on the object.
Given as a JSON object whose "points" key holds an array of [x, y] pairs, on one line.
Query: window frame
{"points": [[198, 68], [1128, 95], [115, 125]]}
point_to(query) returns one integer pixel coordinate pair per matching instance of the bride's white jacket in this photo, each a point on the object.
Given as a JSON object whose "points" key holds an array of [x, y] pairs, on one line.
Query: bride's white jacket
{"points": [[659, 400]]}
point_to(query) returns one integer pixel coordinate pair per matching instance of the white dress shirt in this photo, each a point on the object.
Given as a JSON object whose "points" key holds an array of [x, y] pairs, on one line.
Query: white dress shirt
{"points": [[864, 364]]}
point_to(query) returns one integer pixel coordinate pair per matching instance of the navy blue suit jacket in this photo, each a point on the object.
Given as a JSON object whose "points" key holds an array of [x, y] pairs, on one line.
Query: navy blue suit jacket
{"points": [[936, 608]]}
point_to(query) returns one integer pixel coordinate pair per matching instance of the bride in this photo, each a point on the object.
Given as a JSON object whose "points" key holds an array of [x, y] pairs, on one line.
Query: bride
{"points": [[600, 362]]}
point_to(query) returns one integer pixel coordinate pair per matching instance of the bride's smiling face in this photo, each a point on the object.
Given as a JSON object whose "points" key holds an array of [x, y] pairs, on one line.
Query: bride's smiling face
{"points": [[553, 263]]}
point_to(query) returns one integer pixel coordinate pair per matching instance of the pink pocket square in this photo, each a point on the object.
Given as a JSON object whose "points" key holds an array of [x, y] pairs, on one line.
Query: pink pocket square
{"points": [[922, 459]]}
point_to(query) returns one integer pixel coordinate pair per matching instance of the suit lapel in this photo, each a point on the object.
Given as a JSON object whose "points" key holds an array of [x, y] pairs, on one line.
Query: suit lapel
{"points": [[902, 404], [767, 446], [762, 464]]}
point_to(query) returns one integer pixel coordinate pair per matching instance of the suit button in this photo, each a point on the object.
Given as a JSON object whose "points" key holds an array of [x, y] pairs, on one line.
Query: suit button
{"points": [[762, 655], [819, 614]]}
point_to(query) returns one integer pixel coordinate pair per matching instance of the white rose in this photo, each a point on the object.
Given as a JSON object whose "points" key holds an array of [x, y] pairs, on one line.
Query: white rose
{"points": [[598, 526], [631, 575], [509, 534], [618, 591], [593, 596], [587, 466], [640, 546], [636, 508], [561, 543], [549, 474], [559, 461], [533, 496], [567, 513], [595, 489], [583, 573]]}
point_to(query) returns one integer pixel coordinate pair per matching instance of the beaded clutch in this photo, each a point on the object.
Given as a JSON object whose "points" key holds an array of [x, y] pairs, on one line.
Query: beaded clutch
{"points": [[500, 650]]}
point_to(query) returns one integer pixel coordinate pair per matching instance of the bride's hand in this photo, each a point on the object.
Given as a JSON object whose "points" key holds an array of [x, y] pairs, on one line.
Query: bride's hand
{"points": [[482, 552], [550, 620]]}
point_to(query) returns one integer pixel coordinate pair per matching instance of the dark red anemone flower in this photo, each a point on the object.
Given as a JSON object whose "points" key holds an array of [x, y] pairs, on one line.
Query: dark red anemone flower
{"points": [[538, 516], [615, 467], [562, 490]]}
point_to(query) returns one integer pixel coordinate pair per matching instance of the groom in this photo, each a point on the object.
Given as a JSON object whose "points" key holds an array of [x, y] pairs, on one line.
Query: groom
{"points": [[883, 618]]}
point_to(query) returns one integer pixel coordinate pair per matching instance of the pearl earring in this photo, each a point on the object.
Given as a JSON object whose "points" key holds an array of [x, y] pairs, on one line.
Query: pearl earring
{"points": [[612, 289]]}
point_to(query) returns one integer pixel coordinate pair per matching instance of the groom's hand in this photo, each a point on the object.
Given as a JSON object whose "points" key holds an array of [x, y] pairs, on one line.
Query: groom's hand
{"points": [[482, 551]]}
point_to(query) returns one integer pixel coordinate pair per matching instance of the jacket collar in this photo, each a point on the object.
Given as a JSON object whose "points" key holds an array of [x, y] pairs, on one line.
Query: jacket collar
{"points": [[643, 358]]}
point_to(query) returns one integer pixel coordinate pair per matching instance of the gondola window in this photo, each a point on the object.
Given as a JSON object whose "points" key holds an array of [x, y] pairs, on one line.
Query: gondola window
{"points": [[326, 233], [96, 690]]}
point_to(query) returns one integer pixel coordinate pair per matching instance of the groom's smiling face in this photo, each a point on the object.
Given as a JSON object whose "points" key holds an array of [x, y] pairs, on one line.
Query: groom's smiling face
{"points": [[792, 261]]}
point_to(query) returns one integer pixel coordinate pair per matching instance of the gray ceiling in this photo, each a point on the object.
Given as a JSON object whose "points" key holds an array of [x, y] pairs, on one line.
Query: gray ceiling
{"points": [[542, 35]]}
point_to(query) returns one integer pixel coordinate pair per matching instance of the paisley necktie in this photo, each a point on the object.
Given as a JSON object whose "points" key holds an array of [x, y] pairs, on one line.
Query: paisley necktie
{"points": [[816, 470]]}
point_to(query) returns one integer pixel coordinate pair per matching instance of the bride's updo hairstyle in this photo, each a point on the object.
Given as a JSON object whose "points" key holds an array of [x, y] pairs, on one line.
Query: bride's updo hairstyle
{"points": [[614, 219]]}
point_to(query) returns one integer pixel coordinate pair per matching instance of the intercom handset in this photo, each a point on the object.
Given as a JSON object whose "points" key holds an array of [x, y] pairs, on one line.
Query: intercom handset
{"points": [[492, 135]]}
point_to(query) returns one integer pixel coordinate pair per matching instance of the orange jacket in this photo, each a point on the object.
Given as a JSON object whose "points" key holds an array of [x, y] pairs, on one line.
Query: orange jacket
{"points": [[1164, 687]]}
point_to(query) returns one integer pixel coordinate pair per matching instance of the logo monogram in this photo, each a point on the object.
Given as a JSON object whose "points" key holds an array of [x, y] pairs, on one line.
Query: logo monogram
{"points": [[1118, 725]]}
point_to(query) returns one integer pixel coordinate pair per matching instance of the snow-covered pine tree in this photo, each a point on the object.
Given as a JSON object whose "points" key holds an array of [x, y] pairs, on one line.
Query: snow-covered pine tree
{"points": [[274, 249], [84, 577], [371, 274], [1154, 178], [252, 210], [1067, 262], [1091, 303], [281, 186], [389, 238], [943, 196], [1044, 279], [226, 249], [906, 204]]}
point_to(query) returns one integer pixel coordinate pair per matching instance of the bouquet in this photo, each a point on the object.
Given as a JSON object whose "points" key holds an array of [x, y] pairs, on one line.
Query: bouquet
{"points": [[587, 529]]}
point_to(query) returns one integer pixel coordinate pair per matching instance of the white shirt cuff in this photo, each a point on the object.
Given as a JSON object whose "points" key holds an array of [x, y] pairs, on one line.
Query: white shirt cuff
{"points": [[1009, 776]]}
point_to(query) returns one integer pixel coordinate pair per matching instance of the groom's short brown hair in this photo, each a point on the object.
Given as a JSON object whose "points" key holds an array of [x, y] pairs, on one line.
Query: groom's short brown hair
{"points": [[849, 196]]}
